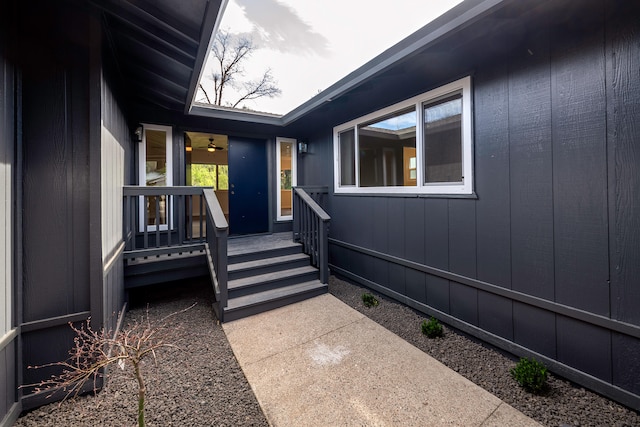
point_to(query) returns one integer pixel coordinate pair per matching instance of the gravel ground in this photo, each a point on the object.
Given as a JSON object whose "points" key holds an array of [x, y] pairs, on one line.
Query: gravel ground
{"points": [[202, 384], [563, 404]]}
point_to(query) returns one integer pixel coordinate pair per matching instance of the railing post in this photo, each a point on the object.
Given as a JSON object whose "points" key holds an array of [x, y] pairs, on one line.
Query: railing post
{"points": [[216, 238], [323, 251], [311, 229], [297, 206], [221, 262]]}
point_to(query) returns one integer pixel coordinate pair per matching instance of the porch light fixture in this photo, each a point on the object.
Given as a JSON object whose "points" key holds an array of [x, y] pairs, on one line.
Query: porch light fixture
{"points": [[138, 133], [302, 147], [213, 147]]}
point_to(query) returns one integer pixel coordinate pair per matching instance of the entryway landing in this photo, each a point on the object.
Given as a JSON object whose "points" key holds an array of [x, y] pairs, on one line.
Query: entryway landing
{"points": [[245, 244]]}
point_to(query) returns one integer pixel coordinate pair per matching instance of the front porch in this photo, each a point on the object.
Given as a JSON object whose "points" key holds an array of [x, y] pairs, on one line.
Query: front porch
{"points": [[174, 233]]}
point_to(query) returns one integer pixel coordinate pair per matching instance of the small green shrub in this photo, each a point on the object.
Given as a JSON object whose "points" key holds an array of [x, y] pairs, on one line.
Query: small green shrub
{"points": [[530, 374], [369, 300], [432, 328]]}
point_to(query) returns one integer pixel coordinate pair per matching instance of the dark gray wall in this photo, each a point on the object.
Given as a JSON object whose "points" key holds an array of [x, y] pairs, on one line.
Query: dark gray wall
{"points": [[61, 243], [117, 167], [9, 407], [546, 259]]}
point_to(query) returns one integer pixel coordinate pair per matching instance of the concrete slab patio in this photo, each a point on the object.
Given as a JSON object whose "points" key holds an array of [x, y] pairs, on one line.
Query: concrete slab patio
{"points": [[321, 363]]}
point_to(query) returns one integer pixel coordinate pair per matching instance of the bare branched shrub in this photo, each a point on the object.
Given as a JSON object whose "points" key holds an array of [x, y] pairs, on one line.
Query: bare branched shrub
{"points": [[93, 351]]}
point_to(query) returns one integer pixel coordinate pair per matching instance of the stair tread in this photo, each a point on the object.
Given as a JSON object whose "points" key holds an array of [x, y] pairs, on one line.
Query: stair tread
{"points": [[235, 250], [272, 294], [266, 262], [268, 277]]}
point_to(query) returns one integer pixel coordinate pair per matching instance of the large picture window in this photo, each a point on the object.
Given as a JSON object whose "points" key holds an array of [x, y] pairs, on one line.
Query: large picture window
{"points": [[422, 145]]}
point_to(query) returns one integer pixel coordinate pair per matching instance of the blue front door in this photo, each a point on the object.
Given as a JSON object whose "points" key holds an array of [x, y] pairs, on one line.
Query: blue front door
{"points": [[248, 188]]}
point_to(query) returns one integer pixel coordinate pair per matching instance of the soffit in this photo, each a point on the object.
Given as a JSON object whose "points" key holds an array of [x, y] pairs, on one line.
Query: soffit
{"points": [[159, 47]]}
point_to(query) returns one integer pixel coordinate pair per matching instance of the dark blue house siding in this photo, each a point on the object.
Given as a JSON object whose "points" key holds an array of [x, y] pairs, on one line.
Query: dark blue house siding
{"points": [[56, 194], [63, 106], [114, 120], [545, 260], [9, 406], [623, 155]]}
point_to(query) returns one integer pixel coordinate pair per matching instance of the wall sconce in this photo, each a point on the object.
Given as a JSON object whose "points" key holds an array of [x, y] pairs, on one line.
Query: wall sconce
{"points": [[138, 133], [302, 147], [188, 148]]}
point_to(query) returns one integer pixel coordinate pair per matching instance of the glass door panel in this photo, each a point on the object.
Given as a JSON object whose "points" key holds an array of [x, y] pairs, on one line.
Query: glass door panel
{"points": [[286, 162], [155, 171]]}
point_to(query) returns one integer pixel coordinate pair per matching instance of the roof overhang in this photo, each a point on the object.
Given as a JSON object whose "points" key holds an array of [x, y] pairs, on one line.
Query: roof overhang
{"points": [[160, 47]]}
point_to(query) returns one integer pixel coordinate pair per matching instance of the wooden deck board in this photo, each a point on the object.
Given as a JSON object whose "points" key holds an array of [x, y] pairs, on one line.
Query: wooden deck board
{"points": [[257, 243]]}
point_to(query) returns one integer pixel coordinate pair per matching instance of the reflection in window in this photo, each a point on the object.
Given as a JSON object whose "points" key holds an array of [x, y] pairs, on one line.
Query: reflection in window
{"points": [[347, 157], [156, 175], [423, 145], [385, 149], [443, 140]]}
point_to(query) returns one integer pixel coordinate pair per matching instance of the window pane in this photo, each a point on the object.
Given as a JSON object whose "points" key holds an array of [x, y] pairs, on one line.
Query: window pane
{"points": [[443, 140], [347, 158], [156, 175], [223, 177], [385, 148], [203, 175], [156, 161]]}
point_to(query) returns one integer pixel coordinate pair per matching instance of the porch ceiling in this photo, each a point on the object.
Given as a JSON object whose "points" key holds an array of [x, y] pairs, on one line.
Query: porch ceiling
{"points": [[160, 46]]}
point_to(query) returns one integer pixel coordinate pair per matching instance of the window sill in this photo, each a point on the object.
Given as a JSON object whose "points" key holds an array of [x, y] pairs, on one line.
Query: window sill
{"points": [[410, 195]]}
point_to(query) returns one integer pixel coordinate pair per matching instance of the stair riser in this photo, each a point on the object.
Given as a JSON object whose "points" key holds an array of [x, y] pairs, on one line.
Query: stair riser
{"points": [[290, 250], [265, 286], [165, 264], [268, 269], [270, 305], [165, 270], [154, 278]]}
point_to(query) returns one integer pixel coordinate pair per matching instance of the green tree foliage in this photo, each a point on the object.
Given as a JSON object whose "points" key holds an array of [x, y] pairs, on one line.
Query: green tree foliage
{"points": [[205, 176], [223, 177]]}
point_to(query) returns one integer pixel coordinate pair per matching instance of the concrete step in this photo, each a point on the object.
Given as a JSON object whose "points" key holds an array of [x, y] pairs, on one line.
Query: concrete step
{"points": [[259, 302], [267, 265], [272, 280]]}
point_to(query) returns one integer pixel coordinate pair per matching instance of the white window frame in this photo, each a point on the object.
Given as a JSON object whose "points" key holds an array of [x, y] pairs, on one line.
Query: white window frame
{"points": [[294, 174], [142, 172], [462, 86]]}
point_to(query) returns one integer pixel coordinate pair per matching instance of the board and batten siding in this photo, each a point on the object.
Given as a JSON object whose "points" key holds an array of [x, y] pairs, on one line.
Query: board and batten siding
{"points": [[115, 154], [60, 255], [9, 406], [545, 261], [6, 197]]}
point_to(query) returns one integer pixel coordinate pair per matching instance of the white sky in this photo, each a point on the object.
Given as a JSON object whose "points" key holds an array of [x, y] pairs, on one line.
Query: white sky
{"points": [[311, 44]]}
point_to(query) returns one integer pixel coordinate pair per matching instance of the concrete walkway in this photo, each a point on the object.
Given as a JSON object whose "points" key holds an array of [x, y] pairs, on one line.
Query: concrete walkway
{"points": [[321, 363]]}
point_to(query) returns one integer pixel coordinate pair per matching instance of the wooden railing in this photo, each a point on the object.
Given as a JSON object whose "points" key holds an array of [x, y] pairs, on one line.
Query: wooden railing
{"points": [[216, 247], [311, 228], [157, 220], [168, 220], [319, 193]]}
